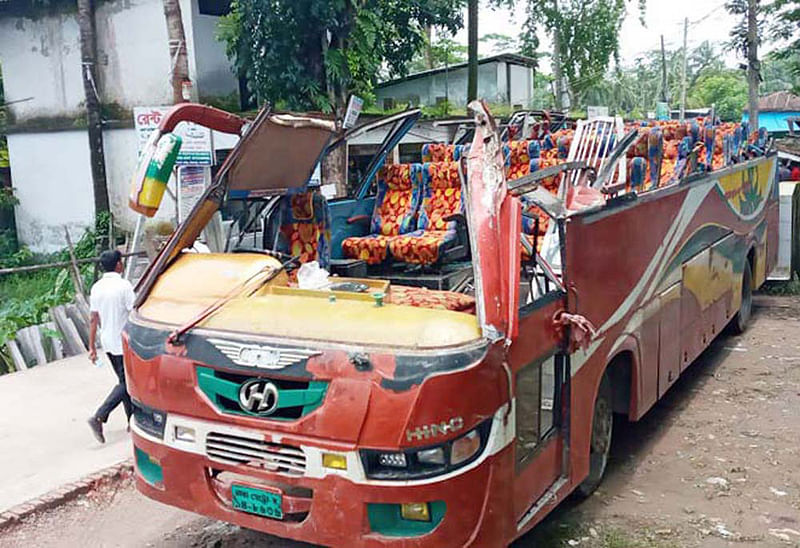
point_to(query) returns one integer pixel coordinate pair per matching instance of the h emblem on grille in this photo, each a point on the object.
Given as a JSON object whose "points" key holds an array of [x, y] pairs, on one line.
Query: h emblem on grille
{"points": [[259, 397]]}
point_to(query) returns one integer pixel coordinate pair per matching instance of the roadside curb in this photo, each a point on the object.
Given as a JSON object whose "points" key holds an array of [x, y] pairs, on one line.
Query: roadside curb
{"points": [[65, 493]]}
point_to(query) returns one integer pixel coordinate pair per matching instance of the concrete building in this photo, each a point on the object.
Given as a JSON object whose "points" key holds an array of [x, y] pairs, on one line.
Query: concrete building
{"points": [[41, 64], [506, 78]]}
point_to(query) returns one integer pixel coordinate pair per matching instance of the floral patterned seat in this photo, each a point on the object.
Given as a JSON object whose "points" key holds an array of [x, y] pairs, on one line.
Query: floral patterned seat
{"points": [[303, 228], [442, 197], [440, 152], [430, 298], [518, 156], [396, 204]]}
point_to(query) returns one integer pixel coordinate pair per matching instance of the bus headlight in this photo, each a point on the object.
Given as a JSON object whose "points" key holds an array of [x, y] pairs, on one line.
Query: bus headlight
{"points": [[426, 461]]}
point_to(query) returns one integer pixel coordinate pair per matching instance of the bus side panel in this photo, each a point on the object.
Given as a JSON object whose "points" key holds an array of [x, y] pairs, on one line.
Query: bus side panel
{"points": [[710, 280], [669, 338], [649, 348]]}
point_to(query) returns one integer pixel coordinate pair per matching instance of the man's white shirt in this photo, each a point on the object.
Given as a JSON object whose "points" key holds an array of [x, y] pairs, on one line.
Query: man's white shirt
{"points": [[112, 298]]}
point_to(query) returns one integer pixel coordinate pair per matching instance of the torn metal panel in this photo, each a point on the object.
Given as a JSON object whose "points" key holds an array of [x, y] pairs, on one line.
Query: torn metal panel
{"points": [[279, 152], [486, 190]]}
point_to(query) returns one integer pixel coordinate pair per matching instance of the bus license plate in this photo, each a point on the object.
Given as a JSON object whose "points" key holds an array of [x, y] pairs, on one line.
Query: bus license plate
{"points": [[256, 501]]}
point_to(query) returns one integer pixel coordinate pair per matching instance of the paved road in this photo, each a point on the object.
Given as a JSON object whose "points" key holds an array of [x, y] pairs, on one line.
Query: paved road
{"points": [[45, 440], [715, 462]]}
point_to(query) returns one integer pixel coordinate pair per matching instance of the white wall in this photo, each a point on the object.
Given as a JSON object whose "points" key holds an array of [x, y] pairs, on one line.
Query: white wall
{"points": [[51, 177], [213, 70], [133, 52], [41, 59], [521, 85], [491, 86]]}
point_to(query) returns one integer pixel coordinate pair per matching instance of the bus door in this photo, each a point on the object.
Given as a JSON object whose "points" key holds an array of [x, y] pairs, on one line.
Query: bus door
{"points": [[540, 372]]}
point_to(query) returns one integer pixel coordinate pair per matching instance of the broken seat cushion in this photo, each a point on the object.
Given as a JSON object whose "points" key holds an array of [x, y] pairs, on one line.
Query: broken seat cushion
{"points": [[441, 197], [428, 298], [399, 191]]}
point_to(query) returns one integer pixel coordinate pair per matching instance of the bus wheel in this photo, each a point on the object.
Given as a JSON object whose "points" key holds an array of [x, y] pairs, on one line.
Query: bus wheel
{"points": [[742, 317], [602, 426]]}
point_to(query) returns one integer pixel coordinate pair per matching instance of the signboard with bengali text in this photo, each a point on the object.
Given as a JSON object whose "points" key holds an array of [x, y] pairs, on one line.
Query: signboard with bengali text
{"points": [[196, 149]]}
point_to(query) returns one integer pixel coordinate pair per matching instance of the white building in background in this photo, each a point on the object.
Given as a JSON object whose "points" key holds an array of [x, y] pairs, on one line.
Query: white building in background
{"points": [[506, 78], [41, 64]]}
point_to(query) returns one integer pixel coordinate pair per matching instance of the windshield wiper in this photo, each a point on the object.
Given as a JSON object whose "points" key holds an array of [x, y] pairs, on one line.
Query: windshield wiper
{"points": [[269, 272]]}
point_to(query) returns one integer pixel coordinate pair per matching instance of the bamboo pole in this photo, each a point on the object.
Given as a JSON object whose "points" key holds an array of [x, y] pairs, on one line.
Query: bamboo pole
{"points": [[77, 280], [62, 264]]}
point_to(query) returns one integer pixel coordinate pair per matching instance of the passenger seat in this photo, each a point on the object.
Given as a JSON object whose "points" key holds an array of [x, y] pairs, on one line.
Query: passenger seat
{"points": [[396, 204], [301, 227], [438, 236]]}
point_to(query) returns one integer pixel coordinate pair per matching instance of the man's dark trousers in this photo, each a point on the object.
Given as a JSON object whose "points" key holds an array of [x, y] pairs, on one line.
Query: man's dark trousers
{"points": [[118, 395]]}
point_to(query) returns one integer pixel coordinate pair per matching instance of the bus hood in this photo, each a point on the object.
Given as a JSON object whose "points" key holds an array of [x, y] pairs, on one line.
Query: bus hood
{"points": [[195, 281]]}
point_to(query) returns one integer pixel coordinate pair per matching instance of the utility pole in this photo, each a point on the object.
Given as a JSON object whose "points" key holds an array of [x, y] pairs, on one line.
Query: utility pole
{"points": [[88, 40], [663, 72], [472, 51], [752, 63], [683, 70]]}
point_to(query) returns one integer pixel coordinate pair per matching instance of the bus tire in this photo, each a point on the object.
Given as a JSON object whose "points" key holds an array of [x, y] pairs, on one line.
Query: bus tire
{"points": [[600, 444], [742, 317]]}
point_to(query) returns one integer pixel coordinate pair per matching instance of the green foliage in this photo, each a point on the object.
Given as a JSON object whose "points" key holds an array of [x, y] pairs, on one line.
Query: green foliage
{"points": [[780, 71], [726, 89], [633, 91], [443, 51], [228, 103], [27, 297], [501, 43], [313, 54], [777, 20], [26, 300], [587, 37], [7, 199]]}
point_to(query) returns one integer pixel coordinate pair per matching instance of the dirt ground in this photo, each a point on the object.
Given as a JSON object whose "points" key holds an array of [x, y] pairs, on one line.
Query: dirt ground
{"points": [[715, 463]]}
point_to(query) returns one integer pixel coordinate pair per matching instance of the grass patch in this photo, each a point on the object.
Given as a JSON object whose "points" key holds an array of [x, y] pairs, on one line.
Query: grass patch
{"points": [[791, 287]]}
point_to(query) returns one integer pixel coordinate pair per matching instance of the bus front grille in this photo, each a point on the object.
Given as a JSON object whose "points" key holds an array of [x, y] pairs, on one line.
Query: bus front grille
{"points": [[238, 449]]}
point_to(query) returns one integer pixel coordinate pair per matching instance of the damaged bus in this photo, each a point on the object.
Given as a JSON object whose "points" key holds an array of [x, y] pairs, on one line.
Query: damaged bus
{"points": [[492, 306]]}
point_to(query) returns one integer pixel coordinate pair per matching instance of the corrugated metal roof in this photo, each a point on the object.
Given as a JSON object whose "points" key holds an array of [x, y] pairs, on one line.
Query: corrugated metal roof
{"points": [[779, 101]]}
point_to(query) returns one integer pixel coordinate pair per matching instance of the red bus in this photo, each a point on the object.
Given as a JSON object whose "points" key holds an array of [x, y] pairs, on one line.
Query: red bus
{"points": [[458, 378]]}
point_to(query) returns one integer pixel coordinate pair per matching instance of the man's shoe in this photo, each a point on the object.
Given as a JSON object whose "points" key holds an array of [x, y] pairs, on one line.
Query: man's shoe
{"points": [[97, 429]]}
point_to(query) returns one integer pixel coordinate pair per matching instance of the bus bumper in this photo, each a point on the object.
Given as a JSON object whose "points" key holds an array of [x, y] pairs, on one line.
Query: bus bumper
{"points": [[331, 510]]}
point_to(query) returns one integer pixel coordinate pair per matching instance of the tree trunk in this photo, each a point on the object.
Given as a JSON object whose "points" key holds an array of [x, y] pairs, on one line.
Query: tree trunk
{"points": [[179, 60], [557, 72], [472, 51], [752, 63], [428, 47], [88, 43]]}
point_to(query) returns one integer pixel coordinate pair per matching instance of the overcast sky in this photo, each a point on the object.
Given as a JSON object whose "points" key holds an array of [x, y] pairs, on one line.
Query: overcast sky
{"points": [[708, 20]]}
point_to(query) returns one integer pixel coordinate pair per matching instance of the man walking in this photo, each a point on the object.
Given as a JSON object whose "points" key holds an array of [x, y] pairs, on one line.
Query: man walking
{"points": [[110, 302]]}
